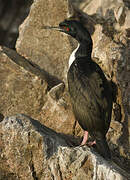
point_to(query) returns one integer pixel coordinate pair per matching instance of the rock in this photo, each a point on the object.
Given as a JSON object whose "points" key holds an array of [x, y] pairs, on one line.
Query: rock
{"points": [[21, 91], [57, 91], [12, 14], [32, 67], [28, 92], [109, 27], [49, 49], [58, 114], [1, 117], [120, 14], [30, 150]]}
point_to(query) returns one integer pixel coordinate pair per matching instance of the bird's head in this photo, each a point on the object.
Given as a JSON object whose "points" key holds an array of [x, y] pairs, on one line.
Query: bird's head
{"points": [[73, 28], [68, 27]]}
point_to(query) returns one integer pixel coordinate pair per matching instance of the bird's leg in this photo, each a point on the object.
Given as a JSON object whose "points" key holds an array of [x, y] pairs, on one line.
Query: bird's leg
{"points": [[85, 138], [92, 143]]}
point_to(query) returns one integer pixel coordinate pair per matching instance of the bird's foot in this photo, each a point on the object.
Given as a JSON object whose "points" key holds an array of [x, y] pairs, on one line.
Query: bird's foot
{"points": [[85, 138], [91, 143]]}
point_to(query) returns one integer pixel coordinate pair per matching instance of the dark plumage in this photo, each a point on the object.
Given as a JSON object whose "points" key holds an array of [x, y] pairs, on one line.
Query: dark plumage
{"points": [[89, 89]]}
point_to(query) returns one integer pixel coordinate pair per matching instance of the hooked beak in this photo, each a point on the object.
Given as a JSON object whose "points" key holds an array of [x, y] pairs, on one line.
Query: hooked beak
{"points": [[53, 28]]}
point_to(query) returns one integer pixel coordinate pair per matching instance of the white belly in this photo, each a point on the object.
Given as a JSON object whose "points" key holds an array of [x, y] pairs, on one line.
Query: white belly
{"points": [[72, 56]]}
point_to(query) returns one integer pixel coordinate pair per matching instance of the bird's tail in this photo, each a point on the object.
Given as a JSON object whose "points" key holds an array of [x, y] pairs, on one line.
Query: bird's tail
{"points": [[103, 148]]}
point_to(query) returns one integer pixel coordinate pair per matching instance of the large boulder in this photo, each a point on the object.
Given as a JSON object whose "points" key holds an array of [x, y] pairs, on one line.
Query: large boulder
{"points": [[24, 89], [30, 150], [21, 91], [46, 48]]}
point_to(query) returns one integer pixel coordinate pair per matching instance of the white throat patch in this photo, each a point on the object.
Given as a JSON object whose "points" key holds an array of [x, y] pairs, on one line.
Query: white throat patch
{"points": [[72, 56]]}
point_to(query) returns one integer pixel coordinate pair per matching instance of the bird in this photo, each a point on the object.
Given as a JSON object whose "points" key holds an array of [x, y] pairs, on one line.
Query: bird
{"points": [[89, 89]]}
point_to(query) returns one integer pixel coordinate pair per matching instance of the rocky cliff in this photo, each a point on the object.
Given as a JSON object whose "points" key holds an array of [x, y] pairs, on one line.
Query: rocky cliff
{"points": [[33, 82]]}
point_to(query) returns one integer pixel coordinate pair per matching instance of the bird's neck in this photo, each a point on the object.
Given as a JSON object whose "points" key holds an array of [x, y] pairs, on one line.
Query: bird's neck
{"points": [[84, 50]]}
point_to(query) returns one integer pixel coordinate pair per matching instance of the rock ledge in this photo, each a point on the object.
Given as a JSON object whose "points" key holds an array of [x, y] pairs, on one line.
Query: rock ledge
{"points": [[31, 150]]}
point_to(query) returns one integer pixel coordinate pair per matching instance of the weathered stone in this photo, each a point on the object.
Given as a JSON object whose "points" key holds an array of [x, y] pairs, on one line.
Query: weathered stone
{"points": [[58, 114], [30, 150], [1, 117], [52, 57], [32, 67], [57, 91], [24, 92], [21, 91], [46, 48], [12, 14]]}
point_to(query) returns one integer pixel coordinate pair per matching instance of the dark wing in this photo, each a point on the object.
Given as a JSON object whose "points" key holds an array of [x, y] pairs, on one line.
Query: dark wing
{"points": [[91, 98]]}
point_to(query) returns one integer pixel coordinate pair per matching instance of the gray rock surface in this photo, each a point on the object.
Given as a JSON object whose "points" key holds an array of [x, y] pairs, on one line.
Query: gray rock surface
{"points": [[31, 150]]}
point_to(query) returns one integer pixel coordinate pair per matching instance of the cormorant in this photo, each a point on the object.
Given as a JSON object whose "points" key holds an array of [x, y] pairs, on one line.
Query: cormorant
{"points": [[89, 89]]}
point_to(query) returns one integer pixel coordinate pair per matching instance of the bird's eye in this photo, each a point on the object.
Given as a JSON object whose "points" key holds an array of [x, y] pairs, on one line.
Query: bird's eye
{"points": [[66, 28]]}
